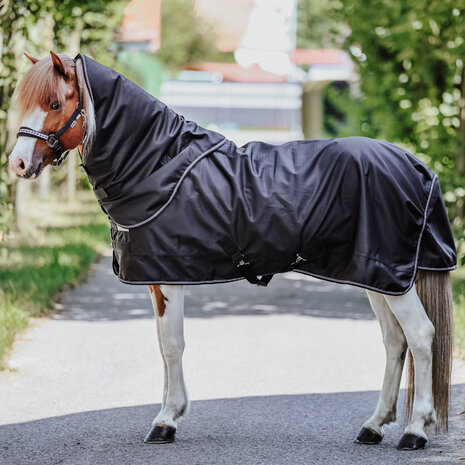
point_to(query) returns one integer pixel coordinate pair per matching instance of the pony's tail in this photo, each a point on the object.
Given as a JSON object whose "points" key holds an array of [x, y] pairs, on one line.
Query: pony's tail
{"points": [[435, 293]]}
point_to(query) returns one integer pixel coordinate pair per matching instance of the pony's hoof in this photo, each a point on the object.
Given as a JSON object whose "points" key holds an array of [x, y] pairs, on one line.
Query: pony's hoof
{"points": [[411, 442], [160, 434], [367, 436]]}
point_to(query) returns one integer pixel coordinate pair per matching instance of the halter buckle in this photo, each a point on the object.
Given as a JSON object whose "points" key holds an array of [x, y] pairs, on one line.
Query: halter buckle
{"points": [[52, 141]]}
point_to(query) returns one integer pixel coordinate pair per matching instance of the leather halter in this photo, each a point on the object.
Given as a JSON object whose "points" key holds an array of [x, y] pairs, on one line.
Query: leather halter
{"points": [[53, 139]]}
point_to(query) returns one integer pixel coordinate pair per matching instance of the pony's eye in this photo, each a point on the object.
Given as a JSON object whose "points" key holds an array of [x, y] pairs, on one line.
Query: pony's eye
{"points": [[55, 106]]}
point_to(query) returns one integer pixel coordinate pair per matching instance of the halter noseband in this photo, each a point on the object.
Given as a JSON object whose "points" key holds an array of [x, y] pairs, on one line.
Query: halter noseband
{"points": [[53, 139]]}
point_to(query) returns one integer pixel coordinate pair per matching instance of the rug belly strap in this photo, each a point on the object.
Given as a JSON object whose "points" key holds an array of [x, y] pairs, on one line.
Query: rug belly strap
{"points": [[245, 268]]}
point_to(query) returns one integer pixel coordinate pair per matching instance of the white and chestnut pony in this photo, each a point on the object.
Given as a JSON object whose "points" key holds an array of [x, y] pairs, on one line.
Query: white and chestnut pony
{"points": [[420, 320]]}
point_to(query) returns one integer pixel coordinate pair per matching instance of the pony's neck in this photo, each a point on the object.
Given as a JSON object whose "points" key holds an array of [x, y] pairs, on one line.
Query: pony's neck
{"points": [[89, 118]]}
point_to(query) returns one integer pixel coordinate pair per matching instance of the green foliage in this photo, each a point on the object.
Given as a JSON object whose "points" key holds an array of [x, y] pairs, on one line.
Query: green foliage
{"points": [[12, 320], [458, 287], [58, 253], [38, 26], [458, 229], [410, 59], [143, 68], [186, 38], [15, 19], [342, 113], [316, 25], [95, 21]]}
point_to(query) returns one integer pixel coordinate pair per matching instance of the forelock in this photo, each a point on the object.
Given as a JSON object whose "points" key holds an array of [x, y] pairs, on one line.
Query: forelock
{"points": [[40, 86]]}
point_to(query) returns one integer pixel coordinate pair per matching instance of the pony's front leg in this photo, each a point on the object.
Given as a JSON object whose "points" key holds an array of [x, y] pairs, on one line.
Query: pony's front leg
{"points": [[168, 303], [396, 349]]}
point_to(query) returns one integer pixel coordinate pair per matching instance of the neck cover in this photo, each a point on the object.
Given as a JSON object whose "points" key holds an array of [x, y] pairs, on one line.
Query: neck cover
{"points": [[137, 136], [187, 206]]}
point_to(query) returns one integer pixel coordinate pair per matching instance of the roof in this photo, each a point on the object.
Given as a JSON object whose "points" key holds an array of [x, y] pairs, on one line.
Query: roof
{"points": [[228, 18], [319, 60], [235, 73], [142, 23], [301, 56]]}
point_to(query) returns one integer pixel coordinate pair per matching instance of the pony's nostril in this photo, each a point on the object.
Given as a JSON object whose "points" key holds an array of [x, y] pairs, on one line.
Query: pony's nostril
{"points": [[21, 164]]}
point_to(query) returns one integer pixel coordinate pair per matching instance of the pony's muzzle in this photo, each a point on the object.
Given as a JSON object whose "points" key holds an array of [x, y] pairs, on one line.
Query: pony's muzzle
{"points": [[18, 166], [23, 169]]}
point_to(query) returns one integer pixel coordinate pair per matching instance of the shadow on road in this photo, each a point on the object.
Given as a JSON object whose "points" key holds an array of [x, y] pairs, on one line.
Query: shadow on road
{"points": [[104, 298], [287, 429]]}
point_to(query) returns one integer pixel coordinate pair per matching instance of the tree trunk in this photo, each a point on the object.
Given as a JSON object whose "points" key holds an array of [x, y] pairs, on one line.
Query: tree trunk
{"points": [[23, 189], [44, 183], [72, 49], [460, 162], [71, 181], [45, 25], [312, 110]]}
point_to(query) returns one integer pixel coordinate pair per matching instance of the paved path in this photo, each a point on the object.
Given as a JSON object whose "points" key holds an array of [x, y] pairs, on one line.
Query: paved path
{"points": [[284, 375]]}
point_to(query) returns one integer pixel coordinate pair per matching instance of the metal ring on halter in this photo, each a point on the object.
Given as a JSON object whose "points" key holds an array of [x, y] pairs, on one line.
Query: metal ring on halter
{"points": [[58, 161]]}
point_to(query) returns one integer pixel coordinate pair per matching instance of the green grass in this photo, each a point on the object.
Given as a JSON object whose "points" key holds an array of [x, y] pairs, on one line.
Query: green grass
{"points": [[13, 320], [458, 285], [60, 244]]}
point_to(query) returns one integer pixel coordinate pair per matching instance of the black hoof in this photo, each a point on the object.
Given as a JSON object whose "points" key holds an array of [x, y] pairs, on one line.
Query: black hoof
{"points": [[160, 434], [366, 436], [411, 442]]}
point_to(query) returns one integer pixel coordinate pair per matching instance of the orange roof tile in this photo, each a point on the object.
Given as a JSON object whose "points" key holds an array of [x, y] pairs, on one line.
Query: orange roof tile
{"points": [[301, 56], [142, 22], [234, 73]]}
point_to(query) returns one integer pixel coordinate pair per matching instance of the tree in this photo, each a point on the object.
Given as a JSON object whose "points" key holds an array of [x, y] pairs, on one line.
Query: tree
{"points": [[91, 24], [410, 58], [317, 26], [186, 37], [86, 25], [16, 21]]}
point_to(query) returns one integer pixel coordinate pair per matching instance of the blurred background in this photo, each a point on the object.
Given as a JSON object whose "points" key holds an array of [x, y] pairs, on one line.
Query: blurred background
{"points": [[271, 70]]}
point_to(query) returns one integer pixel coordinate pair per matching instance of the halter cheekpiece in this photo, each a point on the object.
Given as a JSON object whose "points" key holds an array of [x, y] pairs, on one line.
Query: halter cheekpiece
{"points": [[53, 139]]}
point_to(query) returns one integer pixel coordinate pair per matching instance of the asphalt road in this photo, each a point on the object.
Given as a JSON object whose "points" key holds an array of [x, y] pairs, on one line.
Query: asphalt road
{"points": [[284, 375]]}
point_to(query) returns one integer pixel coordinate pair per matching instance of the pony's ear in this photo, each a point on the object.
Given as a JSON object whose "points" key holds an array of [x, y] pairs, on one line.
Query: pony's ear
{"points": [[31, 59], [58, 64]]}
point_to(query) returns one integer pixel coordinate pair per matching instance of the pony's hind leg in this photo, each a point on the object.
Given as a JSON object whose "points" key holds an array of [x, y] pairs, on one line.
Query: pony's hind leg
{"points": [[396, 348], [419, 332], [168, 303]]}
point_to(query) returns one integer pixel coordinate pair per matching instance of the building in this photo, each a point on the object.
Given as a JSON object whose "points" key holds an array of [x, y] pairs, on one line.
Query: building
{"points": [[141, 28], [266, 88]]}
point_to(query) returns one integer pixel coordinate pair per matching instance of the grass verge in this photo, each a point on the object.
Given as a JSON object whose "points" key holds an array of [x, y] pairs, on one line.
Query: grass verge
{"points": [[56, 250], [458, 285]]}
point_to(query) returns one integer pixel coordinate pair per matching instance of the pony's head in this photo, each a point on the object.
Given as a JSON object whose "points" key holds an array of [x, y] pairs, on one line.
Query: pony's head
{"points": [[47, 97]]}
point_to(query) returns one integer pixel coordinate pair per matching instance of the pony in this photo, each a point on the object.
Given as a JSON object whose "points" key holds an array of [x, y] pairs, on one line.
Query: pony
{"points": [[58, 113]]}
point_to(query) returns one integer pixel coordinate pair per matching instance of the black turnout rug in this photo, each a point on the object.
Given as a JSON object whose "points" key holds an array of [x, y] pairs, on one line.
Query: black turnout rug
{"points": [[188, 206]]}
